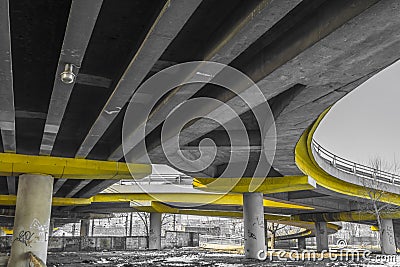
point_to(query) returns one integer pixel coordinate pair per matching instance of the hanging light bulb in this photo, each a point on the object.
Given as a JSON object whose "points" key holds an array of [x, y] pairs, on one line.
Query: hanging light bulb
{"points": [[68, 76]]}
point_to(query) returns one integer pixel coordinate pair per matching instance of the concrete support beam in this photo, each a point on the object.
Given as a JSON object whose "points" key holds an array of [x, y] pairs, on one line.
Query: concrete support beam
{"points": [[85, 227], [301, 243], [32, 219], [155, 231], [254, 231], [388, 242], [321, 235]]}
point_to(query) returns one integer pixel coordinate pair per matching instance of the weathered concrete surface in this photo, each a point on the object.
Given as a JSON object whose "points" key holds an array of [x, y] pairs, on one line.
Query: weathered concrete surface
{"points": [[112, 243], [32, 218], [388, 242], [301, 243], [329, 69], [321, 235], [155, 231], [254, 231], [85, 227]]}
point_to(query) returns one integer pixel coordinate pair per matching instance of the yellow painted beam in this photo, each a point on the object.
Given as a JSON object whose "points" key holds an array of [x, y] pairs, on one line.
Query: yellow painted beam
{"points": [[71, 168], [267, 185], [10, 200], [227, 199], [216, 199], [346, 216], [6, 230], [154, 206], [307, 164]]}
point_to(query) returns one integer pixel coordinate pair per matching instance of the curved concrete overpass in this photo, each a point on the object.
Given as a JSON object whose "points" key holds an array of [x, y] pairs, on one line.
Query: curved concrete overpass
{"points": [[303, 55]]}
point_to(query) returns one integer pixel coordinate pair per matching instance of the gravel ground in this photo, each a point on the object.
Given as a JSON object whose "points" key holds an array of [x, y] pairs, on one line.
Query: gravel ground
{"points": [[177, 257]]}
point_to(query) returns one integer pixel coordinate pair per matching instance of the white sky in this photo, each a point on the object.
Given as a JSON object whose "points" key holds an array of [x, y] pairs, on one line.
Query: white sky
{"points": [[365, 124]]}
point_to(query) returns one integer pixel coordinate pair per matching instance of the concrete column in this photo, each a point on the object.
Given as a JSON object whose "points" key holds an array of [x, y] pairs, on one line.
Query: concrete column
{"points": [[32, 219], [254, 231], [85, 227], [388, 243], [321, 235], [51, 227], [301, 243], [155, 231]]}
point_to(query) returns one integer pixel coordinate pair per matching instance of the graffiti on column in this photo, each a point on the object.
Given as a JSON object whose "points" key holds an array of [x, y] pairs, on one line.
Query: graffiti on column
{"points": [[41, 229], [251, 235], [388, 231], [25, 237]]}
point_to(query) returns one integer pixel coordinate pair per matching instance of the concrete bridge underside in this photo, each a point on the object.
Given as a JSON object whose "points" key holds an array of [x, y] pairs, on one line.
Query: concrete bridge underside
{"points": [[303, 55]]}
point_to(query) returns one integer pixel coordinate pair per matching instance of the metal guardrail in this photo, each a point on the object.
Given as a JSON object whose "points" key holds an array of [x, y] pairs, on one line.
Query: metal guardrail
{"points": [[354, 168]]}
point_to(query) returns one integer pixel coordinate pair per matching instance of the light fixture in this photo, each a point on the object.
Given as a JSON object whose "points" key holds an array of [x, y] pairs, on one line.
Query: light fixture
{"points": [[68, 76]]}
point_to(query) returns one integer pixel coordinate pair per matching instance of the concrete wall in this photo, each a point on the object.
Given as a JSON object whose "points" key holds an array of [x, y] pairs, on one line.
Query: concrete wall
{"points": [[171, 239]]}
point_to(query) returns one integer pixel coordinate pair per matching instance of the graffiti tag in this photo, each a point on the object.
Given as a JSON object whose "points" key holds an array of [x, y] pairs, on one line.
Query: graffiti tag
{"points": [[25, 237]]}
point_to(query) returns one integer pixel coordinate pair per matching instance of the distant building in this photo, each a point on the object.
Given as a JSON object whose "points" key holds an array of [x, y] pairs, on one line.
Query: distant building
{"points": [[206, 230]]}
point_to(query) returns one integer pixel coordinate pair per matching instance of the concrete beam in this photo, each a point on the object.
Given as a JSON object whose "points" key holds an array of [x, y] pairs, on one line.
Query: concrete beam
{"points": [[285, 48], [11, 184], [267, 185], [7, 109], [16, 164], [227, 47], [81, 22], [165, 28]]}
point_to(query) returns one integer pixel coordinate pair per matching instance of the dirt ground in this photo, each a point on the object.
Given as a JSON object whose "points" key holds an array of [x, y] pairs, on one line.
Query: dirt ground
{"points": [[175, 257]]}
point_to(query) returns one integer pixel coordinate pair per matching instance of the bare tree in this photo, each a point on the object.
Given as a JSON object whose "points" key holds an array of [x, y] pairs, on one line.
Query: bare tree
{"points": [[376, 190], [145, 218], [273, 228]]}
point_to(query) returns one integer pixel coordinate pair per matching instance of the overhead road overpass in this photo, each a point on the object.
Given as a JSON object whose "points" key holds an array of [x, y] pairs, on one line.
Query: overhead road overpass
{"points": [[69, 68]]}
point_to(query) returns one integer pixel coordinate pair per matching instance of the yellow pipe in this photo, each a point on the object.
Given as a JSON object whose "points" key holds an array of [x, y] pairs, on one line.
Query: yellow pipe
{"points": [[267, 185], [71, 168], [307, 164], [216, 199]]}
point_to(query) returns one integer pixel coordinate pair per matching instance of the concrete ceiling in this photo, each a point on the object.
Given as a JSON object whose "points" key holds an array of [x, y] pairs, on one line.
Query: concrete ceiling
{"points": [[304, 56]]}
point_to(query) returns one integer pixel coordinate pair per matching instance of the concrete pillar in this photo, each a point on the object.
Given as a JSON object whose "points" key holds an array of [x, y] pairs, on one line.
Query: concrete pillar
{"points": [[254, 231], [388, 243], [32, 219], [155, 231], [321, 235], [301, 243], [85, 227], [51, 227], [266, 233]]}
